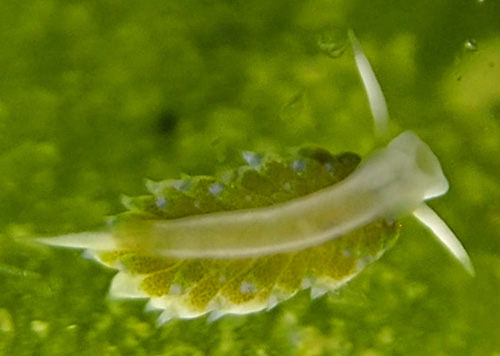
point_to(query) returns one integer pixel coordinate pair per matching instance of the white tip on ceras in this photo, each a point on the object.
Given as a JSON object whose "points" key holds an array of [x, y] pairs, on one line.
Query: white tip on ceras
{"points": [[380, 113]]}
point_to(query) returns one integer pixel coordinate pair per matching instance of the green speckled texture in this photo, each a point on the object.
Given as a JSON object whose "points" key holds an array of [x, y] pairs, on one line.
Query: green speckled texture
{"points": [[263, 181], [187, 289], [97, 95]]}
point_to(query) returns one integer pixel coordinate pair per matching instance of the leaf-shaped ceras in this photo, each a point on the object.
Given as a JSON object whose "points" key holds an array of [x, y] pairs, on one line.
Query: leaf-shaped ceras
{"points": [[187, 288]]}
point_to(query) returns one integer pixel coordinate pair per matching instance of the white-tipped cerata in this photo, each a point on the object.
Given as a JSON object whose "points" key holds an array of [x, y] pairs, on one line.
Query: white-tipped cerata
{"points": [[431, 219]]}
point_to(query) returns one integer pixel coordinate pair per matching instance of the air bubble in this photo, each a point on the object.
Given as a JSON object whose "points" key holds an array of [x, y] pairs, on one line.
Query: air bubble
{"points": [[333, 43], [470, 45]]}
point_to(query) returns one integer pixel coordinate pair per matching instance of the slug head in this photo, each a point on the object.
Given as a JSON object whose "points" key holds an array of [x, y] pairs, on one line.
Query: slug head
{"points": [[422, 160]]}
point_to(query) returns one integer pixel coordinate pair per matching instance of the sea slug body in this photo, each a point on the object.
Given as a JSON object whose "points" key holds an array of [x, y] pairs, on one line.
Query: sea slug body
{"points": [[254, 237]]}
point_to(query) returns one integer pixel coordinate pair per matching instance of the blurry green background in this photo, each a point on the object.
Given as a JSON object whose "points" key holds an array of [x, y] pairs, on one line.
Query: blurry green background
{"points": [[96, 95]]}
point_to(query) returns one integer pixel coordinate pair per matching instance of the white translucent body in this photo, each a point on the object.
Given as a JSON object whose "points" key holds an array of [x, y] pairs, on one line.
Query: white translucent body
{"points": [[390, 183]]}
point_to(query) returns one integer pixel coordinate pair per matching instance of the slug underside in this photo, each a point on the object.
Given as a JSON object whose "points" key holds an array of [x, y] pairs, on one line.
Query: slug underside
{"points": [[187, 288]]}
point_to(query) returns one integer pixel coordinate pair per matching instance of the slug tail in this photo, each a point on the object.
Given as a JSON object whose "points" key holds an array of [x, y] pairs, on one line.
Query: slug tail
{"points": [[445, 236], [99, 241]]}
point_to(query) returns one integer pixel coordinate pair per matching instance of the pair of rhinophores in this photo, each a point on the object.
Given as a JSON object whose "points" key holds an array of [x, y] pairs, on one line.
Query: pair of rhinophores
{"points": [[255, 237]]}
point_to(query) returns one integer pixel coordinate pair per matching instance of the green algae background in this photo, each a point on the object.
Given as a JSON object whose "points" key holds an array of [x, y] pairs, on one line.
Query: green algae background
{"points": [[97, 95]]}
